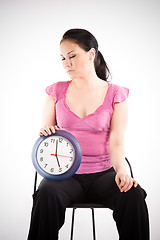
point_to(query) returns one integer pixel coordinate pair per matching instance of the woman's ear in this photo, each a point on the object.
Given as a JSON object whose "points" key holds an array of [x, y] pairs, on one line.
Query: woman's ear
{"points": [[92, 53]]}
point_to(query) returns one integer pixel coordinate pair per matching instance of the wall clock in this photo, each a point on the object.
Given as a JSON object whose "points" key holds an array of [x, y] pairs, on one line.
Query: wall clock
{"points": [[57, 156]]}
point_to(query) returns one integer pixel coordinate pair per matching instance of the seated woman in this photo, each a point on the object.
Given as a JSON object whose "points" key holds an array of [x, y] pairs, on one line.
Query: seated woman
{"points": [[95, 112]]}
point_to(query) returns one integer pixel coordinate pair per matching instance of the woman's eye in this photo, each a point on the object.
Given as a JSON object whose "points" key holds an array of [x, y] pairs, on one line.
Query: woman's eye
{"points": [[72, 56], [62, 59]]}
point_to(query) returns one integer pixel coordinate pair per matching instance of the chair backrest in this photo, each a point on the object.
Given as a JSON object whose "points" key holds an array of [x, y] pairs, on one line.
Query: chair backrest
{"points": [[131, 171]]}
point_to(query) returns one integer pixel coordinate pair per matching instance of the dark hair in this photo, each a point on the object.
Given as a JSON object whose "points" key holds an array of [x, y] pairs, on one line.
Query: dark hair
{"points": [[87, 41]]}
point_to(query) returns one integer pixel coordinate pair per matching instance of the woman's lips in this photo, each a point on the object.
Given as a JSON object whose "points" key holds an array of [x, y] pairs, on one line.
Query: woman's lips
{"points": [[69, 71]]}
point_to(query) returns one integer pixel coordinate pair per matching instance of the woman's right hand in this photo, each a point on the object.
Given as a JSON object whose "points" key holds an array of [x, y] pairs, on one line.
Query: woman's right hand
{"points": [[47, 130]]}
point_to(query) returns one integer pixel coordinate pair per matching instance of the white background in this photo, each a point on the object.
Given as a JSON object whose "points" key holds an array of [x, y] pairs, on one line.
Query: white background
{"points": [[128, 36]]}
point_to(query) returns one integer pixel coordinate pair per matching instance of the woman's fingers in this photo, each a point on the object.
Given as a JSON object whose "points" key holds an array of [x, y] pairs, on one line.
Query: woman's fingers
{"points": [[135, 183], [43, 131], [48, 130], [128, 184], [125, 182], [53, 128]]}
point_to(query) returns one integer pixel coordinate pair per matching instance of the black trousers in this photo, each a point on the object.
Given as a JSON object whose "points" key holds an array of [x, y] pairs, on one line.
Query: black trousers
{"points": [[52, 197]]}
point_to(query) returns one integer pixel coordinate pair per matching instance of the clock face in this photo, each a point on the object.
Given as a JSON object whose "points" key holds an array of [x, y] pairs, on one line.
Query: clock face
{"points": [[55, 155], [58, 156]]}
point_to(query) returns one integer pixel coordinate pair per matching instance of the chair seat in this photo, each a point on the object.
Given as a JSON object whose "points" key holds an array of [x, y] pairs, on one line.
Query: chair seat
{"points": [[86, 205]]}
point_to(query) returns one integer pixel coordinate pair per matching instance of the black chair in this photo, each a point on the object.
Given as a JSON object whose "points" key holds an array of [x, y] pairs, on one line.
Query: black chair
{"points": [[92, 206]]}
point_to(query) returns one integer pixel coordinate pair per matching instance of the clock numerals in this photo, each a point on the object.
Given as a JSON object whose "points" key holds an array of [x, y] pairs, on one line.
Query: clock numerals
{"points": [[41, 150], [71, 159], [60, 169], [46, 144], [41, 159], [45, 165], [52, 170], [52, 140], [71, 151], [60, 140]]}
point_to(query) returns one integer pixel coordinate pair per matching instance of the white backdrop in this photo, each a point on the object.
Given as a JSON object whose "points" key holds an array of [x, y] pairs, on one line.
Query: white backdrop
{"points": [[128, 36]]}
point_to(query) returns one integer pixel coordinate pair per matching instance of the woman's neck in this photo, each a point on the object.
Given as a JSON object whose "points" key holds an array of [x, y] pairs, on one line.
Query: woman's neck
{"points": [[88, 82]]}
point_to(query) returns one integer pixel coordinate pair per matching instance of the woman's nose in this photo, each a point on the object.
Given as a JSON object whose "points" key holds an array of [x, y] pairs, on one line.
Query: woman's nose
{"points": [[67, 63]]}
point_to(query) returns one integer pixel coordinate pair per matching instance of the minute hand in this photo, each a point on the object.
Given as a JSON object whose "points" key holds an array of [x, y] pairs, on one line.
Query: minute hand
{"points": [[56, 153]]}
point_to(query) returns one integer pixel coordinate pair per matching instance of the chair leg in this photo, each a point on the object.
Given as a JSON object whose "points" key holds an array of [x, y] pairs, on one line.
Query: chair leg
{"points": [[93, 223], [35, 182], [72, 224]]}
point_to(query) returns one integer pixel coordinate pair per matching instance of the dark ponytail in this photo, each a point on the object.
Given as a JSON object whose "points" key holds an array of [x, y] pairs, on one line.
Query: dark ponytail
{"points": [[87, 41], [101, 67]]}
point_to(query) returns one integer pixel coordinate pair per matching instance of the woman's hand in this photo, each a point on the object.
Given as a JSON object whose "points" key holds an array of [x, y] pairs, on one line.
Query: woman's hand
{"points": [[47, 130], [125, 182]]}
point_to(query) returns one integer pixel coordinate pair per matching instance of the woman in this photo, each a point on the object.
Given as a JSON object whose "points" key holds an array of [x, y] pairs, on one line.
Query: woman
{"points": [[95, 112]]}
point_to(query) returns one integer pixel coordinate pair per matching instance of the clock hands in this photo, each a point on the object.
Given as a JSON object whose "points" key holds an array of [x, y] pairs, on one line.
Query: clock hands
{"points": [[60, 155], [56, 153]]}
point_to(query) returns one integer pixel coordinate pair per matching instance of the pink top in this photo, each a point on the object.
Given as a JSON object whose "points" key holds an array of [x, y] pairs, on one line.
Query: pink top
{"points": [[92, 131]]}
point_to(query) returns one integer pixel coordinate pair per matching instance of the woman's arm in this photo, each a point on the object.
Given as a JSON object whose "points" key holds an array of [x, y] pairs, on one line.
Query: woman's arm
{"points": [[116, 146], [48, 117]]}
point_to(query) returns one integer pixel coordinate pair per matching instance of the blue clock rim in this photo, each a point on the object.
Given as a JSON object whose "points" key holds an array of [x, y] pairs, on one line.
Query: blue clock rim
{"points": [[74, 167]]}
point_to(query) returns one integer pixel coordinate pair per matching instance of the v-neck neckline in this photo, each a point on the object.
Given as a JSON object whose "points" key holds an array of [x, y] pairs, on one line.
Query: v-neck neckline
{"points": [[97, 109]]}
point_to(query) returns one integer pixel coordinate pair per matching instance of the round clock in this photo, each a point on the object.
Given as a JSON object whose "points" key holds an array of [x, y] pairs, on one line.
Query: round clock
{"points": [[57, 156]]}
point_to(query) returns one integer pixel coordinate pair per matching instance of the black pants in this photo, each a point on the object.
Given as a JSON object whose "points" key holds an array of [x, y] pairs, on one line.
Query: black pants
{"points": [[52, 197]]}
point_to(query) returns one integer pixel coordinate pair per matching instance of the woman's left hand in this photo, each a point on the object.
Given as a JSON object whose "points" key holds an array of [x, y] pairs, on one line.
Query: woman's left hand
{"points": [[125, 182]]}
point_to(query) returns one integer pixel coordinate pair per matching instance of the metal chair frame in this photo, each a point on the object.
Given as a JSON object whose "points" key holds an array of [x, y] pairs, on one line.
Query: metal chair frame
{"points": [[92, 206]]}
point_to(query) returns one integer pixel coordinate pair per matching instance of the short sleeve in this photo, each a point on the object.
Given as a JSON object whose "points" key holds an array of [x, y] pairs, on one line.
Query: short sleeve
{"points": [[121, 94], [51, 91]]}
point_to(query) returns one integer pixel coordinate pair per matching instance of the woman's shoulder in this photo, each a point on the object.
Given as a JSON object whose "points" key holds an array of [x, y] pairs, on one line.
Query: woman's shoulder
{"points": [[57, 85], [116, 87], [56, 89], [119, 93]]}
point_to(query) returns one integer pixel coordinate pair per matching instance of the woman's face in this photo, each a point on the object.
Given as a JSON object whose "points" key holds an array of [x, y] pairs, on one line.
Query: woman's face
{"points": [[75, 60]]}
